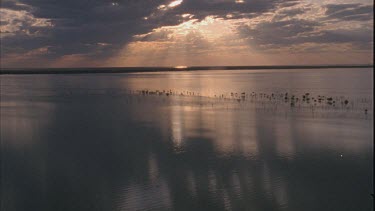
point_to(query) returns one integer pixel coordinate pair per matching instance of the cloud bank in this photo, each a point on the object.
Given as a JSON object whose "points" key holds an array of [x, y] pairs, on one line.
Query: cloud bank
{"points": [[96, 33]]}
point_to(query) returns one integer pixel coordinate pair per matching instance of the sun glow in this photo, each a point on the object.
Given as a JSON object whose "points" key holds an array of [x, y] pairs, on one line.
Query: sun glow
{"points": [[175, 3], [210, 28], [191, 43], [180, 67]]}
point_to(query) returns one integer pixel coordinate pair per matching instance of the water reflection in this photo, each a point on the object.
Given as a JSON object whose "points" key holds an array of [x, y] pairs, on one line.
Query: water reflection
{"points": [[105, 152], [284, 144]]}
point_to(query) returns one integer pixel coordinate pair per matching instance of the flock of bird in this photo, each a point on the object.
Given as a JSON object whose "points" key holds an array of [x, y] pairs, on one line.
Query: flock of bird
{"points": [[265, 101], [286, 99]]}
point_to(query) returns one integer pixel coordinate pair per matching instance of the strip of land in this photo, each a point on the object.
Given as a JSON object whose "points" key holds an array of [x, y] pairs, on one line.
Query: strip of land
{"points": [[91, 70]]}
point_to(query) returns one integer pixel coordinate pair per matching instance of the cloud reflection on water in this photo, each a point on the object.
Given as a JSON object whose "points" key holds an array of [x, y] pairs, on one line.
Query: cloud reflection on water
{"points": [[105, 152]]}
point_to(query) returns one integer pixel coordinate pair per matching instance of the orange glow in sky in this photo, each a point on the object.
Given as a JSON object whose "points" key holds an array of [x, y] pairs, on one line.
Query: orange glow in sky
{"points": [[203, 33]]}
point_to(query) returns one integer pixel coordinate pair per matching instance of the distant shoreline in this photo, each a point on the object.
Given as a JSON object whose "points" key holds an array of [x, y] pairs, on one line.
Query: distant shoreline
{"points": [[90, 70]]}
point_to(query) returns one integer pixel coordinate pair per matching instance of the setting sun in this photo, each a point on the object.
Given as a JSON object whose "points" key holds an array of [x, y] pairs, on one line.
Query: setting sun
{"points": [[180, 67], [182, 105]]}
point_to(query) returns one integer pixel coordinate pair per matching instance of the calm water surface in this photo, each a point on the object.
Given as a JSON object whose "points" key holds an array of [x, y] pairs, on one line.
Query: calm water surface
{"points": [[87, 142]]}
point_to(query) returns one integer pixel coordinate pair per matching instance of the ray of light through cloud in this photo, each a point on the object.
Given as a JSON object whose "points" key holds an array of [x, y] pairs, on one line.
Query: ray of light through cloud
{"points": [[190, 32], [297, 31]]}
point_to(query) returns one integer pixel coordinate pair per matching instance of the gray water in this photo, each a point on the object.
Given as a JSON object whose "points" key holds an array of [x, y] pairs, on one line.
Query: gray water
{"points": [[93, 142]]}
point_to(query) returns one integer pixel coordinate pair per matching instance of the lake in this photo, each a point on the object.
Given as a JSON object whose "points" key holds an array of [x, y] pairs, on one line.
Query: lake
{"points": [[188, 140]]}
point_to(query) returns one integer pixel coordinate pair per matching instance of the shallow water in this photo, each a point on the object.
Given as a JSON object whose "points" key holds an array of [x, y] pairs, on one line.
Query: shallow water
{"points": [[92, 142]]}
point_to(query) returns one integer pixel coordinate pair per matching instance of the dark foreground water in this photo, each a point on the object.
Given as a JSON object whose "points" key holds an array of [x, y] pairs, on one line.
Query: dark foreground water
{"points": [[93, 142]]}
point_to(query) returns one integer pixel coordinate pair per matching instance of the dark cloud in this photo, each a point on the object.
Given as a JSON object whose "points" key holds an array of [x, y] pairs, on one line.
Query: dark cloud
{"points": [[220, 8], [287, 29], [14, 5], [100, 28], [78, 24], [278, 33], [350, 12], [287, 13]]}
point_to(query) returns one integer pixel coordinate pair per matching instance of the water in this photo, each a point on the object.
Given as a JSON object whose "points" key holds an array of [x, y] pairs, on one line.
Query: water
{"points": [[92, 142]]}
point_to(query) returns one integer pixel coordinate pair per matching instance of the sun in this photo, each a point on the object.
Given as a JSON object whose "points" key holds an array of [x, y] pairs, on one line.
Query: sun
{"points": [[180, 67]]}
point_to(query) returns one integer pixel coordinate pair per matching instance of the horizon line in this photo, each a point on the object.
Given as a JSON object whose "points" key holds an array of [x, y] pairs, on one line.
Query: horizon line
{"points": [[88, 70]]}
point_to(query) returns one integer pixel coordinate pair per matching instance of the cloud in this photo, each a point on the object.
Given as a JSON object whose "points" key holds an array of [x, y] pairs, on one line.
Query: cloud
{"points": [[22, 22], [117, 21], [286, 13], [349, 12], [295, 27], [96, 29], [77, 25]]}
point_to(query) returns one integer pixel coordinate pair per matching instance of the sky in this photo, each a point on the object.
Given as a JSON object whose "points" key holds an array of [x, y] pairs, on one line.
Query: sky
{"points": [[128, 33]]}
